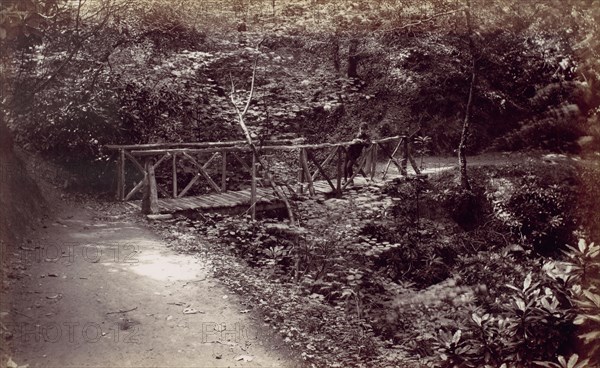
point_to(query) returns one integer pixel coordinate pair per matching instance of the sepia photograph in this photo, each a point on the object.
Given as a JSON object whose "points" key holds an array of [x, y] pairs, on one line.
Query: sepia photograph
{"points": [[300, 183]]}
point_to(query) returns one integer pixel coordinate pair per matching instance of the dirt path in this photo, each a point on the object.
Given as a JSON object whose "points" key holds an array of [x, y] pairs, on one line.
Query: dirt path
{"points": [[105, 292], [436, 165]]}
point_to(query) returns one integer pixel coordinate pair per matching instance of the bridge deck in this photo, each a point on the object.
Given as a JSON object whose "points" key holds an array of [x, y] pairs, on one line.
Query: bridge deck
{"points": [[229, 200]]}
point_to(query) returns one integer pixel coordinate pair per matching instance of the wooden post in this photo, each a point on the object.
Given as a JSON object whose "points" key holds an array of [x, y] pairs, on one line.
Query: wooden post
{"points": [[306, 170], [367, 162], [374, 161], [301, 175], [404, 161], [121, 176], [150, 201], [413, 163], [339, 171], [387, 167], [224, 171], [175, 175], [253, 188]]}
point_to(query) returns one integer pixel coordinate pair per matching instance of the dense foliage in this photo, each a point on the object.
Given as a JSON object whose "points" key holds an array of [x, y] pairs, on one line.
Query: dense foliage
{"points": [[82, 74]]}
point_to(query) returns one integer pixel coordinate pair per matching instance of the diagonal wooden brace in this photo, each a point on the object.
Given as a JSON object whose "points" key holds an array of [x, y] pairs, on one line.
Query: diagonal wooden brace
{"points": [[140, 184], [201, 172], [311, 156], [325, 163]]}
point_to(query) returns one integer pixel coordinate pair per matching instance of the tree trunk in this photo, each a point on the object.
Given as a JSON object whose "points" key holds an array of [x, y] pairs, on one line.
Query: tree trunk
{"points": [[353, 59], [335, 44], [6, 140], [462, 159], [404, 161]]}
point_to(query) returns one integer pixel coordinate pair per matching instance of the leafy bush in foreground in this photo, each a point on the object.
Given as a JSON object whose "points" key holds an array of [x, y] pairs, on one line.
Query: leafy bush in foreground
{"points": [[537, 322]]}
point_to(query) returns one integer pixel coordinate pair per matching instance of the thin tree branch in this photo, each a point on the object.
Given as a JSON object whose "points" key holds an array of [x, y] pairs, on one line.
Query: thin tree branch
{"points": [[79, 4], [260, 161], [50, 78], [251, 87], [462, 159], [419, 22]]}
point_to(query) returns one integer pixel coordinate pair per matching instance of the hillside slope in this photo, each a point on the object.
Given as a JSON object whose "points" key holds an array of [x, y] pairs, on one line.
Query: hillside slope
{"points": [[21, 201]]}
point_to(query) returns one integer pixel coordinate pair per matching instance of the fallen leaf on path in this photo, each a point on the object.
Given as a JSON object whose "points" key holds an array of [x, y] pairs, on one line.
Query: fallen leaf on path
{"points": [[52, 275], [245, 358], [53, 296], [193, 281], [169, 317], [191, 311], [11, 364], [179, 304], [123, 310]]}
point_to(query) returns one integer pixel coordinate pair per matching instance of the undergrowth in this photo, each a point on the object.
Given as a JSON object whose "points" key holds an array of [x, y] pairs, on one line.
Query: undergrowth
{"points": [[389, 277]]}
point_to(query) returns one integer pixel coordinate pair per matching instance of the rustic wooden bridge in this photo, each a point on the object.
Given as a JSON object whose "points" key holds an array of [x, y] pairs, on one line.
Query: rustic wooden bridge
{"points": [[318, 170]]}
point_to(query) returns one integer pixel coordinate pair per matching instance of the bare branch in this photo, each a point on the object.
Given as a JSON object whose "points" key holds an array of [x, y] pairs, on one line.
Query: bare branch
{"points": [[48, 79], [260, 161], [78, 16], [421, 21], [251, 87], [241, 121], [232, 85], [462, 157]]}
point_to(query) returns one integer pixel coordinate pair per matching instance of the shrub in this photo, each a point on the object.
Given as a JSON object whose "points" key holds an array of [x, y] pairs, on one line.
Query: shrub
{"points": [[167, 27], [532, 325], [549, 133], [542, 208], [535, 321]]}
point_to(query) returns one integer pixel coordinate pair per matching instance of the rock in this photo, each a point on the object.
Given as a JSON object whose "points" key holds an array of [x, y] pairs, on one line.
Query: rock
{"points": [[585, 140], [333, 202], [363, 199], [159, 217]]}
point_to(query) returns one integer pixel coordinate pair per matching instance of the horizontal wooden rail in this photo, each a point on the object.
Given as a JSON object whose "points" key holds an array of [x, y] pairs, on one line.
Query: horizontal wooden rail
{"points": [[166, 146], [328, 145], [172, 145], [232, 146], [153, 152]]}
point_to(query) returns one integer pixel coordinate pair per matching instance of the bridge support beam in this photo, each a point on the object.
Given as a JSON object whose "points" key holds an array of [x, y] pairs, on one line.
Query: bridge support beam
{"points": [[174, 168], [340, 170], [150, 200], [253, 188], [121, 176]]}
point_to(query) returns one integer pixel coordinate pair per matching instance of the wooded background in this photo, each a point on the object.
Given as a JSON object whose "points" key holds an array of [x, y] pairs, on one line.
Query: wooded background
{"points": [[80, 74]]}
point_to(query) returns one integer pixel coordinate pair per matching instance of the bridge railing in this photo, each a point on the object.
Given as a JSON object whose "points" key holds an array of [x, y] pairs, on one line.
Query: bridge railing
{"points": [[146, 158], [314, 161]]}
